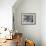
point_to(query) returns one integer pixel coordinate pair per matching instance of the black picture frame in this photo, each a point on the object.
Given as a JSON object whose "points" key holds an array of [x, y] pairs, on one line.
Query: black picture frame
{"points": [[28, 18]]}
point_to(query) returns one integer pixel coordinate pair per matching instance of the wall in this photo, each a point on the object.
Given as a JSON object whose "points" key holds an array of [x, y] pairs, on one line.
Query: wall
{"points": [[6, 13], [43, 22], [29, 31]]}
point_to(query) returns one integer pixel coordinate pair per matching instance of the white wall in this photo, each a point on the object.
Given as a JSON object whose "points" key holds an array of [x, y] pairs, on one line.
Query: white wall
{"points": [[6, 13], [30, 31], [40, 27], [43, 22]]}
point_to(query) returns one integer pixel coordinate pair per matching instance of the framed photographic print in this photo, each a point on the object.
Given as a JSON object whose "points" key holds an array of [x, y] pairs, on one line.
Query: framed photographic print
{"points": [[28, 18]]}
